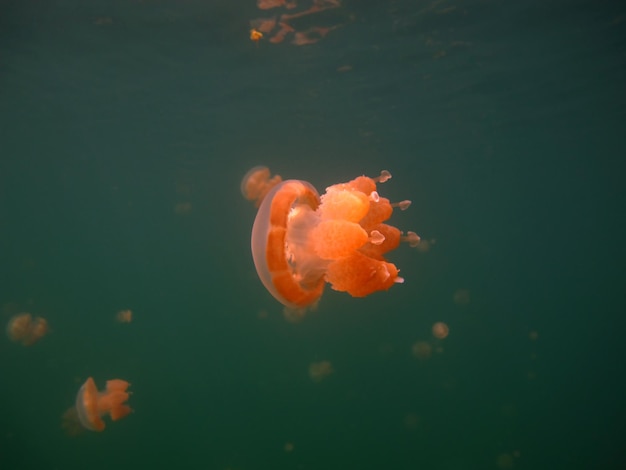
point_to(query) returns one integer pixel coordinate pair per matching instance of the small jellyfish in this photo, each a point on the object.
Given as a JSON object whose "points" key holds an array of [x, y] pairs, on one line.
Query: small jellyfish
{"points": [[305, 22], [183, 208], [461, 297], [301, 241], [411, 421], [504, 461], [92, 405], [19, 326], [318, 371], [25, 329], [124, 316], [256, 183], [255, 35], [267, 4], [422, 349], [440, 330]]}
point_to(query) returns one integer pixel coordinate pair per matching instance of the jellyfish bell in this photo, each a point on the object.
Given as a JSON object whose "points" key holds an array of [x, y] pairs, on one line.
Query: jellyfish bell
{"points": [[300, 241], [281, 259], [92, 405]]}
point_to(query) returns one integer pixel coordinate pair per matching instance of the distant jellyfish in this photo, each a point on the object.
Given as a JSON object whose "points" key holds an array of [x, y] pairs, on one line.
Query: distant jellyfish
{"points": [[422, 349], [411, 421], [183, 208], [256, 183], [40, 329], [461, 297], [92, 405], [318, 371], [267, 4], [504, 461], [19, 326], [255, 35], [302, 19], [440, 330], [124, 316], [23, 328]]}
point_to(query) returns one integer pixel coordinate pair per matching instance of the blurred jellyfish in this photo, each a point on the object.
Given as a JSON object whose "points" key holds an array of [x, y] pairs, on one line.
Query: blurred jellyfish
{"points": [[92, 405], [182, 208], [25, 329], [306, 21], [124, 316], [504, 461], [422, 349], [318, 371], [461, 297], [411, 421], [267, 4], [256, 183], [440, 330]]}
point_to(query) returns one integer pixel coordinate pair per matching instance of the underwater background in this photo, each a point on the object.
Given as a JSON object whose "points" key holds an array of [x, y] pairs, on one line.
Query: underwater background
{"points": [[125, 129]]}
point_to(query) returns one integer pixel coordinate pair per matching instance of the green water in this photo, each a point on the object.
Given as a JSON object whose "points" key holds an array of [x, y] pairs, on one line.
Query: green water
{"points": [[502, 121]]}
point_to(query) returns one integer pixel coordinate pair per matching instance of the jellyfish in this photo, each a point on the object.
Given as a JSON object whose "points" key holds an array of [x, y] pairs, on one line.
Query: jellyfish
{"points": [[267, 4], [25, 329], [301, 241], [124, 316], [422, 349], [318, 371], [440, 330], [255, 35], [256, 183], [302, 23], [92, 405]]}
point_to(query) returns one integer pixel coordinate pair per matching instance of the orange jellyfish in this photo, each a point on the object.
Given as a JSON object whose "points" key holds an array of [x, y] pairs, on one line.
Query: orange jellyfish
{"points": [[255, 35], [440, 330], [25, 329], [422, 349], [318, 371], [92, 405], [124, 316], [280, 25], [256, 183], [301, 241]]}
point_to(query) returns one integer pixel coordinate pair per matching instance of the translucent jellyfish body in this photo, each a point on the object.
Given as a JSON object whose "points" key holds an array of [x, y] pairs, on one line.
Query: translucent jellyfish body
{"points": [[301, 241]]}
